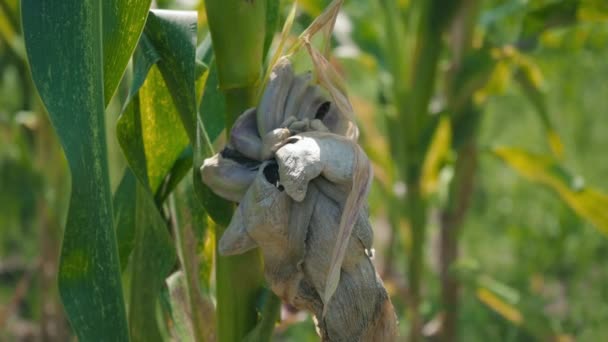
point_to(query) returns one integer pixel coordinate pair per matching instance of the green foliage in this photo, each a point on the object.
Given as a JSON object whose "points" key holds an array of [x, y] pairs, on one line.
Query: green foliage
{"points": [[65, 49]]}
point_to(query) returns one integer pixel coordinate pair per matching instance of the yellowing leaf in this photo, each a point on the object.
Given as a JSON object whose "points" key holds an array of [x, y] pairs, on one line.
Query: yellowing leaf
{"points": [[501, 307], [497, 84], [589, 203], [555, 143], [592, 10], [437, 153]]}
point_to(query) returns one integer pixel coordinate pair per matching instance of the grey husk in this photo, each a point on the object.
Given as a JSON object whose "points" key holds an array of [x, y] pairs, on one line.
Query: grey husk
{"points": [[298, 174]]}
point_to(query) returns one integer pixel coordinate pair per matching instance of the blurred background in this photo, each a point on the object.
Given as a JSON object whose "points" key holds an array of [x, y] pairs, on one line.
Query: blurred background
{"points": [[530, 267]]}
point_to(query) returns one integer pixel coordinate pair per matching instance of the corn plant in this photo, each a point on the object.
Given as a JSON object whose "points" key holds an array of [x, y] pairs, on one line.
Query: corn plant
{"points": [[118, 251], [422, 27]]}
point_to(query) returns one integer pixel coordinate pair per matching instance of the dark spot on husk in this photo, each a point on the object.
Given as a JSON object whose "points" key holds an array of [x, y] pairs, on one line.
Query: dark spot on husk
{"points": [[322, 111], [232, 154], [271, 172]]}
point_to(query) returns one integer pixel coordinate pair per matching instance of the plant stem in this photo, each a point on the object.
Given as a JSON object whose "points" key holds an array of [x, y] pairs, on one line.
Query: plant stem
{"points": [[238, 32], [450, 220], [417, 206], [461, 187], [414, 120]]}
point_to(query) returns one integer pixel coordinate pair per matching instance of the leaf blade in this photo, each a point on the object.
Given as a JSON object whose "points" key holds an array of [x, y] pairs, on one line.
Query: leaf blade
{"points": [[64, 48]]}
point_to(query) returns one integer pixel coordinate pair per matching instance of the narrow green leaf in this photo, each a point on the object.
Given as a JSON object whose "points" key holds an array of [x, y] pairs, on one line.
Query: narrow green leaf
{"points": [[272, 23], [589, 203], [212, 110], [123, 22], [210, 121], [153, 258], [64, 47]]}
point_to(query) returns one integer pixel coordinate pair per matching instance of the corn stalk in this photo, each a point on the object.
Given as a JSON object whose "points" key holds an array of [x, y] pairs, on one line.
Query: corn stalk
{"points": [[237, 30]]}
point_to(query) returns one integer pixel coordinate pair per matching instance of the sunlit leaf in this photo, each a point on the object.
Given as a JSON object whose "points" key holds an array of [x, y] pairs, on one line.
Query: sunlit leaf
{"points": [[587, 202], [150, 131], [436, 155], [173, 35], [593, 10], [64, 47], [501, 307]]}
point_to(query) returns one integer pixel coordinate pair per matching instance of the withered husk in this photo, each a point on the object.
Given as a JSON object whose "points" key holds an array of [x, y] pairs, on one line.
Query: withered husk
{"points": [[301, 182]]}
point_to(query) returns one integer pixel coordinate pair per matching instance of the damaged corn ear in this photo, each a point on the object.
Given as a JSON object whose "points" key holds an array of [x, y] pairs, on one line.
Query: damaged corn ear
{"points": [[301, 181]]}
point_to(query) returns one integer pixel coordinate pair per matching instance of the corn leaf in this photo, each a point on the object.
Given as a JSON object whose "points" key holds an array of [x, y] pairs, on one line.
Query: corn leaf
{"points": [[501, 307], [123, 22], [195, 241], [150, 132], [436, 155], [554, 14], [64, 43], [152, 260], [587, 202], [173, 35], [213, 107], [530, 79]]}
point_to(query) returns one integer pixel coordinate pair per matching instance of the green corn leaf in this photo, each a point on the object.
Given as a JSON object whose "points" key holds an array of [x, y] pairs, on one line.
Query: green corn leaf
{"points": [[210, 122], [181, 167], [123, 22], [587, 202], [173, 35], [212, 110], [152, 260], [269, 310], [530, 79], [150, 132], [436, 155], [64, 47], [272, 23]]}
